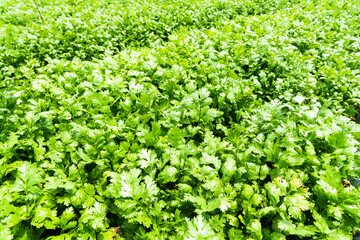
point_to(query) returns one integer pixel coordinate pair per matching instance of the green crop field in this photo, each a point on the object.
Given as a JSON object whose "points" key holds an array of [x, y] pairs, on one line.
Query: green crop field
{"points": [[179, 119]]}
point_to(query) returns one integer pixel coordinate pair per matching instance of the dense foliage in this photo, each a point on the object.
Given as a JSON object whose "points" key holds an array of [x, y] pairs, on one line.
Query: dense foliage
{"points": [[184, 119]]}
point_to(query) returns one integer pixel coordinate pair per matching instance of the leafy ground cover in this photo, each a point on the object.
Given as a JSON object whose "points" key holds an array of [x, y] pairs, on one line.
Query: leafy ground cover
{"points": [[179, 120]]}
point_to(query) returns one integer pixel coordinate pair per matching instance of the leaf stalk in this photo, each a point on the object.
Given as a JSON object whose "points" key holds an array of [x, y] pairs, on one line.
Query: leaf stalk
{"points": [[38, 9]]}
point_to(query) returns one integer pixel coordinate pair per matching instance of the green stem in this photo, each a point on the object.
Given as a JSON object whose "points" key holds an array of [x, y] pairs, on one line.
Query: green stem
{"points": [[38, 9]]}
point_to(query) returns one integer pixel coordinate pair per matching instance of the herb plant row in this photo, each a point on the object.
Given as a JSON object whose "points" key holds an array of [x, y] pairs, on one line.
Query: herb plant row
{"points": [[179, 119]]}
